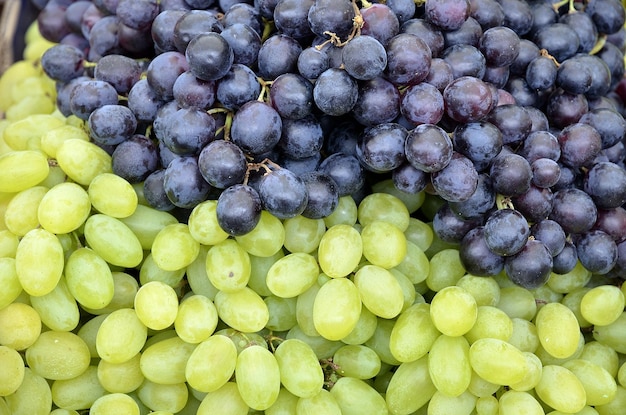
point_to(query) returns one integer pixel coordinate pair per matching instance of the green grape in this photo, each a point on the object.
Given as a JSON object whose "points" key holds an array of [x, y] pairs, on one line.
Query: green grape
{"points": [[174, 248], [9, 281], [39, 261], [121, 336], [211, 364], [321, 346], [558, 330], [578, 277], [55, 176], [82, 160], [165, 361], [33, 397], [203, 224], [344, 214], [12, 370], [243, 310], [419, 233], [413, 201], [196, 319], [20, 170], [352, 395], [282, 312], [89, 278], [112, 195], [266, 238], [601, 354], [122, 377], [79, 392], [453, 311], [449, 366], [168, 398], [409, 378], [524, 335], [125, 288], [616, 406], [8, 244], [364, 329], [532, 376], [259, 266], [621, 374], [303, 234], [58, 355], [225, 401], [383, 207], [602, 305], [445, 269], [228, 266], [481, 388], [156, 305], [114, 403], [415, 264], [58, 308], [340, 251], [487, 405], [304, 310], [548, 359], [60, 411], [292, 275], [442, 404], [379, 290], [242, 340], [545, 294], [21, 213], [258, 377], [560, 389], [88, 331], [336, 308], [197, 277], [113, 241], [52, 139], [413, 333], [408, 289], [321, 404], [300, 371], [379, 342], [285, 404], [146, 223], [357, 361], [383, 244], [517, 302], [519, 403], [497, 361], [490, 322], [572, 301], [600, 387], [485, 290]]}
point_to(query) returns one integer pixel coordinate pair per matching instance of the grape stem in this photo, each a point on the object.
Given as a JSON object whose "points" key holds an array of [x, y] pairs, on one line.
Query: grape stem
{"points": [[265, 164], [546, 54], [227, 123], [357, 24]]}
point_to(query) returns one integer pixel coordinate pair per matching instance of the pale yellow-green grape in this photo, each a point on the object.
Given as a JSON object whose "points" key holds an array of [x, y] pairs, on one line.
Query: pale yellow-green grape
{"points": [[442, 404], [364, 329], [228, 266], [303, 234], [61, 411], [413, 201], [29, 106], [614, 334], [196, 319], [282, 312], [357, 361], [381, 381], [415, 264], [58, 308], [449, 366], [266, 238], [485, 290], [225, 401], [600, 386], [572, 301], [453, 311], [4, 407], [517, 302], [532, 376], [79, 392], [481, 388], [344, 214], [353, 395], [114, 403], [8, 244], [64, 208], [12, 372], [58, 355], [9, 281], [602, 305], [304, 310], [26, 133], [5, 198], [519, 403], [340, 251], [35, 89], [578, 277], [259, 266], [383, 207], [285, 404], [170, 398], [121, 336], [413, 333], [321, 404], [150, 271], [621, 374], [445, 269], [165, 361], [39, 261], [33, 396], [56, 175], [122, 377], [113, 241], [112, 195], [156, 305], [300, 371], [616, 406], [402, 397], [21, 213], [420, 233], [18, 70], [379, 342], [380, 292], [383, 244], [560, 389], [89, 278], [258, 377], [558, 330], [88, 331], [487, 405], [125, 287], [52, 139], [545, 294], [203, 224], [548, 359], [147, 222], [243, 310], [174, 248], [197, 277], [408, 289], [211, 364], [497, 361], [242, 340], [323, 348], [490, 322], [336, 308], [82, 160]]}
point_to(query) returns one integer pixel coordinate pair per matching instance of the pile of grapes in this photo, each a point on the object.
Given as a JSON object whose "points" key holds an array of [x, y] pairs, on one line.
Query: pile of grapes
{"points": [[315, 207]]}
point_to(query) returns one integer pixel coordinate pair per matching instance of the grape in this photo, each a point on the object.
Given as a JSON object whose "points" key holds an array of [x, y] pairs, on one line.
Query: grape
{"points": [[14, 370], [114, 403], [226, 399], [332, 261], [79, 392], [292, 275], [497, 361], [82, 161], [21, 401], [571, 394], [45, 355], [336, 308], [258, 377], [409, 377], [243, 310], [58, 308], [380, 292], [238, 210], [453, 320], [609, 297], [216, 356], [352, 394], [21, 170], [164, 361], [557, 329], [228, 266]]}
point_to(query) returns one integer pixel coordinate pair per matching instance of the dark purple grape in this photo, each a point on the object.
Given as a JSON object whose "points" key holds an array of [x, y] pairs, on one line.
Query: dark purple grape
{"points": [[479, 203], [475, 255], [605, 182], [51, 21], [506, 232], [408, 59], [120, 71], [87, 96], [345, 170], [364, 58], [244, 42], [238, 86], [111, 124], [422, 104], [574, 210], [163, 71], [447, 14], [403, 9], [381, 149], [457, 181], [608, 123], [546, 172], [190, 91], [292, 96], [323, 195], [584, 27], [342, 137], [467, 99], [74, 14], [278, 55], [613, 57], [408, 179], [544, 14], [465, 60], [596, 251], [449, 227], [301, 138], [541, 73], [440, 74], [243, 13], [137, 14], [238, 209], [607, 15], [613, 222], [511, 174], [469, 33], [580, 144], [559, 40], [379, 22], [564, 109], [334, 16], [135, 158], [63, 63], [222, 164], [498, 76], [479, 141], [312, 62], [283, 194], [378, 102], [184, 185], [430, 34], [513, 121], [527, 52], [192, 24], [209, 56], [154, 191], [256, 127], [291, 17], [551, 234], [89, 18], [531, 267], [300, 166], [566, 260], [428, 148], [335, 92], [517, 15], [487, 12], [499, 45], [535, 204], [162, 30], [143, 101], [187, 131]]}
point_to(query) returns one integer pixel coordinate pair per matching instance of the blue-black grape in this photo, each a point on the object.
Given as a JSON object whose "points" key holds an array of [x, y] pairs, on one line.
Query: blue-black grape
{"points": [[517, 15], [278, 55], [312, 62], [500, 45], [427, 32], [137, 14], [209, 56], [63, 63], [596, 251], [546, 172], [607, 15], [162, 29], [535, 204], [605, 182], [511, 174], [163, 71], [403, 9], [612, 222], [580, 144], [447, 14], [143, 101], [566, 260], [409, 179], [256, 127], [475, 255], [450, 227], [479, 141], [563, 108], [335, 92], [292, 96], [428, 148], [301, 138], [541, 73], [323, 195], [291, 17], [584, 27], [222, 164], [183, 184], [469, 33], [574, 210], [135, 158], [345, 170], [154, 191], [381, 149], [506, 231], [378, 102], [88, 95], [364, 57], [238, 86], [551, 234], [513, 121], [187, 131], [190, 91], [334, 16], [238, 209], [408, 59], [479, 203], [457, 181], [440, 74], [467, 99], [242, 13], [192, 24], [283, 194], [111, 124], [379, 22], [608, 123], [422, 104], [531, 267], [465, 60]]}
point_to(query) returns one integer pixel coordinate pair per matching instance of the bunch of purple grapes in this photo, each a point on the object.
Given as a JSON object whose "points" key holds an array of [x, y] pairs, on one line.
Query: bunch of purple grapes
{"points": [[510, 112]]}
